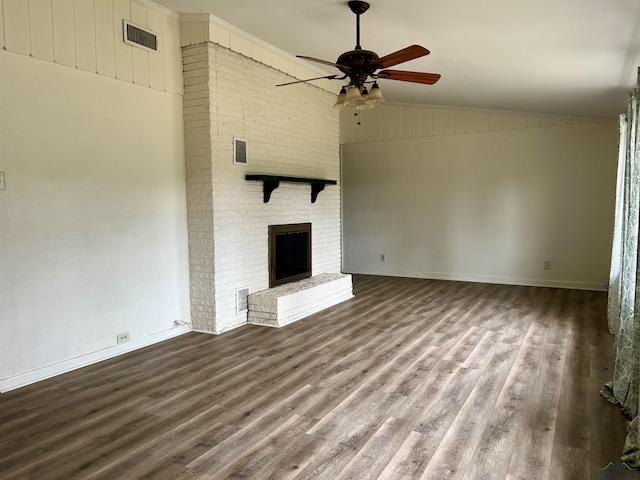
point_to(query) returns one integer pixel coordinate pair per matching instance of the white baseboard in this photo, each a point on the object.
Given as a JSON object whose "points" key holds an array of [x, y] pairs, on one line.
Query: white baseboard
{"points": [[526, 282], [24, 379]]}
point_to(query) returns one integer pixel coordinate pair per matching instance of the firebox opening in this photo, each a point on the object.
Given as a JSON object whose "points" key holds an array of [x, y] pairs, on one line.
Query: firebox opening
{"points": [[289, 253]]}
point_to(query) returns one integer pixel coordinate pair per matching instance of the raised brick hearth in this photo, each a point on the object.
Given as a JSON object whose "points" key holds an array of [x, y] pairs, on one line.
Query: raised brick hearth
{"points": [[279, 306]]}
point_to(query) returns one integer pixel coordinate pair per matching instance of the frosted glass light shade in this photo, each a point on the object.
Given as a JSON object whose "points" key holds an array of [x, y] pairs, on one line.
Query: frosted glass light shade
{"points": [[375, 95], [361, 104], [353, 96], [341, 96]]}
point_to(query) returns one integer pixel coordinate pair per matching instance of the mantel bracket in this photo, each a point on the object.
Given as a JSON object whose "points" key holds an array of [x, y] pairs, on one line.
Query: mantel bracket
{"points": [[316, 188], [268, 187]]}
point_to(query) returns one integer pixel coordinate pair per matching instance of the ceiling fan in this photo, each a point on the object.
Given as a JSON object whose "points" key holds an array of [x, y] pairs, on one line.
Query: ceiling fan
{"points": [[358, 65]]}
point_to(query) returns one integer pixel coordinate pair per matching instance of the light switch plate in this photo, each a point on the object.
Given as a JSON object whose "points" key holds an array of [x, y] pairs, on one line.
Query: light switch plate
{"points": [[2, 186]]}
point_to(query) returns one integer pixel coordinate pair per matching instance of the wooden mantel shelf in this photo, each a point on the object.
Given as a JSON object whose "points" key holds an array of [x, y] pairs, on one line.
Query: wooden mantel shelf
{"points": [[271, 182]]}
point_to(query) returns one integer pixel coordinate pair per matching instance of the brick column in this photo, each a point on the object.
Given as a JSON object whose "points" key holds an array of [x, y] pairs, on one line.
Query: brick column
{"points": [[198, 122]]}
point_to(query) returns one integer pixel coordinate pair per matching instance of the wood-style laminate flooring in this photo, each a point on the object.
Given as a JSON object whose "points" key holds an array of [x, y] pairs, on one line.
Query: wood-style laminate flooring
{"points": [[411, 379]]}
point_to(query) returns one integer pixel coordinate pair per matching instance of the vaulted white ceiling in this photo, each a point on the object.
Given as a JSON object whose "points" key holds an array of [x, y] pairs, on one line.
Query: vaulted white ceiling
{"points": [[564, 57]]}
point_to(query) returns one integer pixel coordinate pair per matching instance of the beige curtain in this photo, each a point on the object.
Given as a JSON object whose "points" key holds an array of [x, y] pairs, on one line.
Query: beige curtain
{"points": [[624, 285]]}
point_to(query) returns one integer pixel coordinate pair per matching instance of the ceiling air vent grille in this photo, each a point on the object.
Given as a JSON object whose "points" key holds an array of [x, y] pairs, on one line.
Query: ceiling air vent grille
{"points": [[138, 37]]}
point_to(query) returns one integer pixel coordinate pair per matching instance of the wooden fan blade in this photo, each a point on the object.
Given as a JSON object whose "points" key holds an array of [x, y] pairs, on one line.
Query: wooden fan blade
{"points": [[330, 77], [404, 55], [324, 62], [415, 77]]}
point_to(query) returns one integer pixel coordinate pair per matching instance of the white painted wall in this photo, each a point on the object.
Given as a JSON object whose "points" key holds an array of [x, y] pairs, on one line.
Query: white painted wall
{"points": [[93, 218], [443, 198]]}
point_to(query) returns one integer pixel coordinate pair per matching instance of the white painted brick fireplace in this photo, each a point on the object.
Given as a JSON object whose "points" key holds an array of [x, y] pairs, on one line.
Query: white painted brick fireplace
{"points": [[290, 131]]}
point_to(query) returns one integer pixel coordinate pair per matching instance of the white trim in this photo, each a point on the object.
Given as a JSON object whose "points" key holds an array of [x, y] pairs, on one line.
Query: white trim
{"points": [[158, 8], [24, 379], [456, 277]]}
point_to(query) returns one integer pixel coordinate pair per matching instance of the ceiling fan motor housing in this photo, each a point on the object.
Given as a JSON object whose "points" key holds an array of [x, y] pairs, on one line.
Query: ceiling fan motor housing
{"points": [[357, 65]]}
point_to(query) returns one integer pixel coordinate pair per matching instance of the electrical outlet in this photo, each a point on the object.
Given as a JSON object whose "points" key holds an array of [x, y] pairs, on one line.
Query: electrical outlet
{"points": [[382, 257], [2, 185], [123, 337], [547, 265]]}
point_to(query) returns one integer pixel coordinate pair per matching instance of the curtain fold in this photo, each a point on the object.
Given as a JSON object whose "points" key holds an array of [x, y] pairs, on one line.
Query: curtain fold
{"points": [[624, 286]]}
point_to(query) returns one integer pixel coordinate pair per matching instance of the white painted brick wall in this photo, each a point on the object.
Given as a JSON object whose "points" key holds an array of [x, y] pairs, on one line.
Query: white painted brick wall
{"points": [[197, 125], [292, 131]]}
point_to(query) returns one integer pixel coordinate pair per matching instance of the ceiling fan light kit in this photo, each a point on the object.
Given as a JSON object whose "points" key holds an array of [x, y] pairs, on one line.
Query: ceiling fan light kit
{"points": [[358, 65]]}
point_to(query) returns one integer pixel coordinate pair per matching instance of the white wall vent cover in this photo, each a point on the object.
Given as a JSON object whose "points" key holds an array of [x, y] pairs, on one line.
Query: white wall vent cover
{"points": [[242, 300], [139, 37], [239, 151]]}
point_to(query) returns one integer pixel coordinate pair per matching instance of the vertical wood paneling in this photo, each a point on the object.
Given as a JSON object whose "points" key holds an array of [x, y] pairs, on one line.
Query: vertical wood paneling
{"points": [[472, 122], [438, 122], [344, 132], [197, 33], [246, 49], [64, 42], [156, 60], [375, 125], [427, 122], [85, 35], [172, 55], [105, 49], [520, 121], [140, 57], [405, 120], [495, 121], [224, 37], [41, 26], [16, 26], [366, 117], [449, 120], [385, 123], [257, 53], [392, 122], [214, 33], [396, 122], [483, 122], [461, 122], [1, 24], [357, 129], [124, 61], [533, 122], [185, 34], [235, 41], [416, 122], [356, 132]]}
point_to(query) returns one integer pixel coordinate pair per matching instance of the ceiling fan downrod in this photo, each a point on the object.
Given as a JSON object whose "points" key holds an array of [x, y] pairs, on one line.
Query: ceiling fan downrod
{"points": [[358, 7]]}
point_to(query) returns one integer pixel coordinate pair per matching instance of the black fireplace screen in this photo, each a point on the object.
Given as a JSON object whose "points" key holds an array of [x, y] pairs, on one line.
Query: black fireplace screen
{"points": [[289, 253]]}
